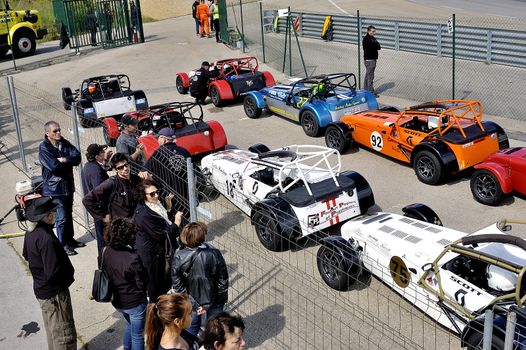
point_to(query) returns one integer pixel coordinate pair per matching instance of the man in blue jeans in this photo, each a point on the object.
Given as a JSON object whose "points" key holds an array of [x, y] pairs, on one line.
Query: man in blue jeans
{"points": [[58, 157]]}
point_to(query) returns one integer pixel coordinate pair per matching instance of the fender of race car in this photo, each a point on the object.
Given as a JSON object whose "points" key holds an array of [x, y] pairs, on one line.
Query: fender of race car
{"points": [[500, 172], [184, 78], [224, 89], [269, 78]]}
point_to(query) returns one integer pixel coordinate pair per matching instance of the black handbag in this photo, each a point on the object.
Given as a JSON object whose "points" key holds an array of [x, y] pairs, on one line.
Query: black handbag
{"points": [[101, 289]]}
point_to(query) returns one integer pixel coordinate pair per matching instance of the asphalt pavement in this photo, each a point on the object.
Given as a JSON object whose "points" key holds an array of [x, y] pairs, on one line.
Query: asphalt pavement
{"points": [[281, 295]]}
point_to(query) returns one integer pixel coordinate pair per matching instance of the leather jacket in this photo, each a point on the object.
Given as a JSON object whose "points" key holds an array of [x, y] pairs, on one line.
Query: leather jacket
{"points": [[57, 176], [202, 273]]}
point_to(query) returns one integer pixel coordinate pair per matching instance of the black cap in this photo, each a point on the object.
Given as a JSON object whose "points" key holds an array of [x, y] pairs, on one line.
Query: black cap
{"points": [[127, 120], [205, 63], [39, 208]]}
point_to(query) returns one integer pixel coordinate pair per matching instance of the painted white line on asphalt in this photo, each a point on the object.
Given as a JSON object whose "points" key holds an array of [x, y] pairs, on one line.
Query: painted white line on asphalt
{"points": [[246, 118], [338, 7]]}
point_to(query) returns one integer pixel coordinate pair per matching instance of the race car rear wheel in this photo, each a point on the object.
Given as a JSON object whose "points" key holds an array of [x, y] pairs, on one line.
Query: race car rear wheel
{"points": [[214, 95], [67, 98], [428, 168], [251, 107], [333, 269], [309, 123], [334, 138], [180, 86], [486, 187], [109, 141], [267, 231], [475, 341]]}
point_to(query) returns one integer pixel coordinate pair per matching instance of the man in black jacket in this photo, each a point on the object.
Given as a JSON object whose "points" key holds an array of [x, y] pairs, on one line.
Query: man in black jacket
{"points": [[94, 173], [200, 80], [370, 56], [168, 165], [58, 157], [52, 274], [194, 15]]}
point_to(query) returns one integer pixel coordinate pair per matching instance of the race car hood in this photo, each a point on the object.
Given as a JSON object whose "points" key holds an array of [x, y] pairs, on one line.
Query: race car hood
{"points": [[396, 235]]}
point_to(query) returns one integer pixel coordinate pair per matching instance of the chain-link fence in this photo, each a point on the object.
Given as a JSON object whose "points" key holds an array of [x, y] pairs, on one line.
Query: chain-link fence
{"points": [[282, 295], [415, 62]]}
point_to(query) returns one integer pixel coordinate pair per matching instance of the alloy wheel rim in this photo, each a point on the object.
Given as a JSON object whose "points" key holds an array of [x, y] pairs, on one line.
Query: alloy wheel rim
{"points": [[24, 44], [333, 138], [249, 105], [426, 168], [308, 123], [330, 263], [486, 186]]}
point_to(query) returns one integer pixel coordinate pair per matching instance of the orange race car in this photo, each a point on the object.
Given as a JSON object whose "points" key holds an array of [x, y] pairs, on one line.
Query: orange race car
{"points": [[437, 138]]}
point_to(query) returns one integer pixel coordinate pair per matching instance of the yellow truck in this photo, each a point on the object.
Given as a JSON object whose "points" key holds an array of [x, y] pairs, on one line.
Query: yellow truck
{"points": [[21, 29]]}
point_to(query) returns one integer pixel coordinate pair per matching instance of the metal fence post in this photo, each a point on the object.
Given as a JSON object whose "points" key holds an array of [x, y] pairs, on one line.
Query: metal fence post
{"points": [[488, 329], [242, 24], [139, 18], [439, 40], [359, 36], [192, 195], [16, 119], [510, 330], [76, 139], [453, 57], [489, 46], [262, 29], [397, 36]]}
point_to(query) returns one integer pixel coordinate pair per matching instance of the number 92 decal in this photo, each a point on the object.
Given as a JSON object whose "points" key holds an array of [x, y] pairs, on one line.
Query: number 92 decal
{"points": [[376, 141]]}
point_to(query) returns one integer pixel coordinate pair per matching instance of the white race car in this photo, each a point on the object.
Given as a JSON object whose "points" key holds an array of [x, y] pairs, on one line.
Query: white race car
{"points": [[288, 193], [451, 276]]}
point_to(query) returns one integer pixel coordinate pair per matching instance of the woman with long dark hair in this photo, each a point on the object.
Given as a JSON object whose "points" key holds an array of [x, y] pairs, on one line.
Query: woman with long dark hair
{"points": [[157, 232]]}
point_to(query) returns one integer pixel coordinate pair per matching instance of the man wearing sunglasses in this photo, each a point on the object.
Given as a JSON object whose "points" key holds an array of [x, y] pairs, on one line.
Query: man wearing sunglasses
{"points": [[58, 157], [371, 46], [115, 197]]}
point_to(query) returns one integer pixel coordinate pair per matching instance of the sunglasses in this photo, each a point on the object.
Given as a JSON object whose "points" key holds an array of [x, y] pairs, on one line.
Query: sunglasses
{"points": [[55, 131], [121, 167], [153, 194]]}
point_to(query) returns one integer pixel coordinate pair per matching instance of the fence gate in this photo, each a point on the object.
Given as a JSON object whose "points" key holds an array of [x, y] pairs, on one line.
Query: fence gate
{"points": [[109, 23]]}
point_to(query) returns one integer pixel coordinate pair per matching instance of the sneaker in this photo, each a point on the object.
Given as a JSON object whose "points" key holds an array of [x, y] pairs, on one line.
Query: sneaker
{"points": [[70, 251], [76, 244]]}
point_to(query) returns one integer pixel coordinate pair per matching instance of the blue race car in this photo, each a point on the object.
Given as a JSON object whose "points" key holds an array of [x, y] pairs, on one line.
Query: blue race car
{"points": [[314, 102]]}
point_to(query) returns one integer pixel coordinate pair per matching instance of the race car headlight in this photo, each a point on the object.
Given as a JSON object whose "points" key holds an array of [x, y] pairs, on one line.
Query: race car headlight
{"points": [[140, 100], [89, 110]]}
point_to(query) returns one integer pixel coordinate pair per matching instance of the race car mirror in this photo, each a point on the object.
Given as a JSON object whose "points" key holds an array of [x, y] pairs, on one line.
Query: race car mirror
{"points": [[427, 267], [399, 272]]}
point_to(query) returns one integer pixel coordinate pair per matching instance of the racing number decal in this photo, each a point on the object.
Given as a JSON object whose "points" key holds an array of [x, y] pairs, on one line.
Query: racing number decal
{"points": [[459, 297], [230, 187], [399, 272], [255, 188], [301, 101], [376, 141]]}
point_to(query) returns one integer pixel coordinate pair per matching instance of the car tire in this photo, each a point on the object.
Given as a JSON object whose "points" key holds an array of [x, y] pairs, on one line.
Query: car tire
{"points": [[333, 269], [214, 95], [334, 138], [309, 123], [109, 141], [476, 339], [267, 231], [24, 43], [180, 86], [251, 107], [67, 98], [486, 187], [205, 190], [428, 168]]}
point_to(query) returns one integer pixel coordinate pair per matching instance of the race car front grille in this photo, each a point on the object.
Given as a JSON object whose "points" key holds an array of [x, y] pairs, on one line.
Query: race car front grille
{"points": [[386, 229], [399, 234], [413, 239], [444, 242]]}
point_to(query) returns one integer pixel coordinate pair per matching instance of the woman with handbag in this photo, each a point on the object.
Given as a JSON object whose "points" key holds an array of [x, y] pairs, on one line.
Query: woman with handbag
{"points": [[157, 232], [128, 279], [166, 323], [200, 270]]}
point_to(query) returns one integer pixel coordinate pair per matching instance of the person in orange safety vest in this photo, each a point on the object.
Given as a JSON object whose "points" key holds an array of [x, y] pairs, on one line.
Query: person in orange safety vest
{"points": [[202, 13]]}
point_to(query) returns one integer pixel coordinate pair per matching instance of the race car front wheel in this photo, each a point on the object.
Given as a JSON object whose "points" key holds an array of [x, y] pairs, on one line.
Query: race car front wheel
{"points": [[333, 269], [216, 98], [486, 187], [267, 230], [334, 138], [67, 98], [475, 342], [427, 168], [109, 141], [251, 107], [180, 86], [309, 123]]}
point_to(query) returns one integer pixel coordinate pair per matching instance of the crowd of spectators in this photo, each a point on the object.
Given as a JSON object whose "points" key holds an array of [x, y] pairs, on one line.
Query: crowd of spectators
{"points": [[170, 285]]}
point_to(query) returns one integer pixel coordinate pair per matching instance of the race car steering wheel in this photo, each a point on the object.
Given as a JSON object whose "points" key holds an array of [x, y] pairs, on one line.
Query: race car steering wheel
{"points": [[279, 154]]}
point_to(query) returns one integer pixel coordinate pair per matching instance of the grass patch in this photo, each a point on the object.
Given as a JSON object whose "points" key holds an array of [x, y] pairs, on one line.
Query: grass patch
{"points": [[146, 19]]}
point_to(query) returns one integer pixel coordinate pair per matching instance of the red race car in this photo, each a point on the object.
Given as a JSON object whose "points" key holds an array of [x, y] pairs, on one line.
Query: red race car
{"points": [[499, 175], [185, 118], [236, 76]]}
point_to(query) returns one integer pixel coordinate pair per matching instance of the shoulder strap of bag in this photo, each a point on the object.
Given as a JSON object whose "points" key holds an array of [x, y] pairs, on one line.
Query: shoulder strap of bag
{"points": [[102, 259]]}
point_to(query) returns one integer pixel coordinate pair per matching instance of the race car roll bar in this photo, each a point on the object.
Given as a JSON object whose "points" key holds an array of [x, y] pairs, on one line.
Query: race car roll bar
{"points": [[497, 238]]}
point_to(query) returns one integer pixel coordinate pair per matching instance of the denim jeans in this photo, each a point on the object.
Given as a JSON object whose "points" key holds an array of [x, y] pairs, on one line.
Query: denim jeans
{"points": [[197, 319], [134, 332], [197, 24], [64, 218]]}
